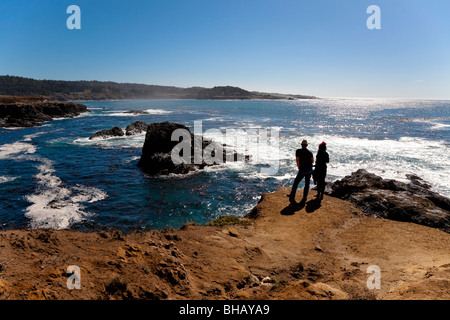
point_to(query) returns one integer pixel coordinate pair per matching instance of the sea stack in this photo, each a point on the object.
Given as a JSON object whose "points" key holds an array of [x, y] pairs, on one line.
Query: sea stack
{"points": [[156, 156]]}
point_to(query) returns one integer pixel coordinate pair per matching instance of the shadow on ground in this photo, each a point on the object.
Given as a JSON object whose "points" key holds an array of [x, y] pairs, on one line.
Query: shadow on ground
{"points": [[293, 207]]}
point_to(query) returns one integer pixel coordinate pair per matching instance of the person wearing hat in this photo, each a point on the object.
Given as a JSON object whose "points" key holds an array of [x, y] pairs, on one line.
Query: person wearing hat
{"points": [[305, 160], [320, 172]]}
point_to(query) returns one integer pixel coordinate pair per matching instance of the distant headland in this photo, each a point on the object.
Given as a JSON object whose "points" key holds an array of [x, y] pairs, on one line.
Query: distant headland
{"points": [[99, 90]]}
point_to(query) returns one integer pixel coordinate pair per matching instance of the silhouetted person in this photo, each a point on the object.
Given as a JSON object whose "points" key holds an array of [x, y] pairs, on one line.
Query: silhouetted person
{"points": [[305, 160], [320, 172]]}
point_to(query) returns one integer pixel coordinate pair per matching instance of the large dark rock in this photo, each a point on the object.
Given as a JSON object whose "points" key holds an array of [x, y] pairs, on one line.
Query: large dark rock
{"points": [[109, 133], [136, 127], [395, 200], [156, 156], [32, 111]]}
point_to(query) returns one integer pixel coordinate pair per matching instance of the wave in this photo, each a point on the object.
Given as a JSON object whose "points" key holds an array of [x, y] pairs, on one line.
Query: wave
{"points": [[55, 205]]}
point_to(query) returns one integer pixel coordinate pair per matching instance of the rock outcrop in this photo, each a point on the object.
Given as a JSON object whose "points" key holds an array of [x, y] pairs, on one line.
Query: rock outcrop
{"points": [[32, 111], [136, 127], [109, 133], [156, 156], [395, 200]]}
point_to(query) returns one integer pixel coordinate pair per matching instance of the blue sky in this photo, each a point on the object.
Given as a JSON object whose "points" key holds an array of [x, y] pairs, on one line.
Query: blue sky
{"points": [[318, 47]]}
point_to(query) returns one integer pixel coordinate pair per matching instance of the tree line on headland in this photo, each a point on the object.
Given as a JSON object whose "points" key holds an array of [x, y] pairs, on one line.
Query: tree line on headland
{"points": [[107, 90]]}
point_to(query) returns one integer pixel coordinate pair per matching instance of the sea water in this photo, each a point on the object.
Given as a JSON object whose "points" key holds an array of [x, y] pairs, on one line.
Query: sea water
{"points": [[53, 176]]}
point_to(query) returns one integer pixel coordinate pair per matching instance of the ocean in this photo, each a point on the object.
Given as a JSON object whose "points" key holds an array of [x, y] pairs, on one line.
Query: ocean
{"points": [[53, 176]]}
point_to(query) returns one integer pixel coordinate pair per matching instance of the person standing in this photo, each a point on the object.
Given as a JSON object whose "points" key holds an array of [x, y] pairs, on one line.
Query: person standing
{"points": [[320, 172], [305, 160]]}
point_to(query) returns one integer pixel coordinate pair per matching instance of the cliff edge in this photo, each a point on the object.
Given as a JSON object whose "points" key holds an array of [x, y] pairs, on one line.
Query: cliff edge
{"points": [[320, 250]]}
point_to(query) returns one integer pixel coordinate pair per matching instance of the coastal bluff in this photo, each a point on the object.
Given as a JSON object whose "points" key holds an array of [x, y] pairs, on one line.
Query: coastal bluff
{"points": [[278, 250], [20, 112]]}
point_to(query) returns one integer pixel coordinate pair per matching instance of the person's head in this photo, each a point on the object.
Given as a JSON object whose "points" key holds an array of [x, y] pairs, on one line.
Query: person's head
{"points": [[323, 146], [304, 144]]}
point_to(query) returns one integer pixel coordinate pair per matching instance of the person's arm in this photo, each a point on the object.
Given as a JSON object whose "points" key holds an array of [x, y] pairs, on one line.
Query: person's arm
{"points": [[298, 162]]}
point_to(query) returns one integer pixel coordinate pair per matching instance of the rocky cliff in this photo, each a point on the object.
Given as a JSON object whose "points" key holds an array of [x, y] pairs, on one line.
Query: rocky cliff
{"points": [[32, 111]]}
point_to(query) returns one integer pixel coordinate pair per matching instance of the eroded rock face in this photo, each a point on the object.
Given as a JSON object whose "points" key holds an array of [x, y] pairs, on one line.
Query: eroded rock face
{"points": [[114, 132], [395, 200], [156, 156]]}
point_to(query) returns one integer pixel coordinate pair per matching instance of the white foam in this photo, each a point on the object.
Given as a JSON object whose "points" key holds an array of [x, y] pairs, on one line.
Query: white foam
{"points": [[53, 205], [56, 206], [11, 150], [30, 137], [132, 141]]}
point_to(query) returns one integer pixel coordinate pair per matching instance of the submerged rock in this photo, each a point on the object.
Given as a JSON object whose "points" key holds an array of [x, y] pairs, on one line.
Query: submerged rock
{"points": [[395, 200], [114, 132]]}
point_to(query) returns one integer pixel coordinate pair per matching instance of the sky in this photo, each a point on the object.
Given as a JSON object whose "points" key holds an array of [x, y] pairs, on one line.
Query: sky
{"points": [[314, 47]]}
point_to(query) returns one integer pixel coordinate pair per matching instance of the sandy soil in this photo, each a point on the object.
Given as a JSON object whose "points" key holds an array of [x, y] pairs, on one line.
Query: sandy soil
{"points": [[321, 250]]}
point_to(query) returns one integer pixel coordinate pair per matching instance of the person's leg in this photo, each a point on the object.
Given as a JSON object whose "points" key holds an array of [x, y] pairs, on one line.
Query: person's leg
{"points": [[297, 180], [323, 184], [319, 187], [306, 188]]}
